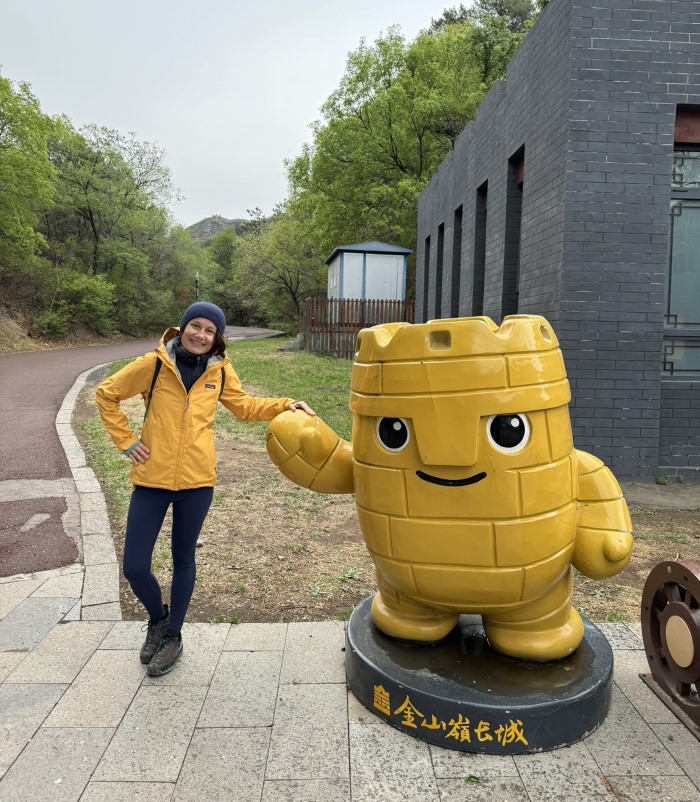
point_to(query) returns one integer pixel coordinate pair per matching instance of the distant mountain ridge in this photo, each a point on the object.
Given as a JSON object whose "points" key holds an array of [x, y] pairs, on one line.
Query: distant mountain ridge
{"points": [[210, 226]]}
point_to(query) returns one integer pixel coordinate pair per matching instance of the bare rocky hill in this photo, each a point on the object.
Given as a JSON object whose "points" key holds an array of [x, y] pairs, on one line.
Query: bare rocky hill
{"points": [[210, 226]]}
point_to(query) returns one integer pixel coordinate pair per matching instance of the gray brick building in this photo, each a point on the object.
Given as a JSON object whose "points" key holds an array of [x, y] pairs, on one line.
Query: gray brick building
{"points": [[575, 194]]}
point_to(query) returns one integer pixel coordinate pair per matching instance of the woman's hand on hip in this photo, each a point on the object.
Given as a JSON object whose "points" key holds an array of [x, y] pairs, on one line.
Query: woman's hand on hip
{"points": [[139, 454]]}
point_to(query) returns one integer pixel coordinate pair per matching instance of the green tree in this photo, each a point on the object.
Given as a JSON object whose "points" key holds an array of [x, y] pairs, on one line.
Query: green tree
{"points": [[516, 14], [292, 267], [110, 219], [78, 300], [397, 112], [111, 188], [27, 179], [222, 250]]}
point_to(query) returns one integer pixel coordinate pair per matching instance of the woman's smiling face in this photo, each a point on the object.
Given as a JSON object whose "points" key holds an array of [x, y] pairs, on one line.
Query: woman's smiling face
{"points": [[198, 336]]}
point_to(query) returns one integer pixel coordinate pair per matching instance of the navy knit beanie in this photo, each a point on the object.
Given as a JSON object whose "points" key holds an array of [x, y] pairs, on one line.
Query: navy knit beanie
{"points": [[206, 310]]}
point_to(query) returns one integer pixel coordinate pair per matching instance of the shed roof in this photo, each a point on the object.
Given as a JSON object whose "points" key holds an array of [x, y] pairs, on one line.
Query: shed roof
{"points": [[369, 247]]}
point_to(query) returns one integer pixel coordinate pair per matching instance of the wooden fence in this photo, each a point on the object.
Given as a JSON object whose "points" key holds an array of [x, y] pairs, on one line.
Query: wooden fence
{"points": [[332, 325]]}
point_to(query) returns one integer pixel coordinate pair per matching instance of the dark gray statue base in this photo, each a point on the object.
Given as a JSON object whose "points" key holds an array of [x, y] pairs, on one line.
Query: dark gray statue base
{"points": [[461, 694]]}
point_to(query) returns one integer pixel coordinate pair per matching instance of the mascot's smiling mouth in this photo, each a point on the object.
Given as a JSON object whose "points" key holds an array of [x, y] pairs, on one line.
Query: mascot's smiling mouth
{"points": [[436, 480]]}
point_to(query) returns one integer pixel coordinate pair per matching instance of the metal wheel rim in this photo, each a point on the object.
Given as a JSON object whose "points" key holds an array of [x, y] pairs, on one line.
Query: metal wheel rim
{"points": [[670, 617]]}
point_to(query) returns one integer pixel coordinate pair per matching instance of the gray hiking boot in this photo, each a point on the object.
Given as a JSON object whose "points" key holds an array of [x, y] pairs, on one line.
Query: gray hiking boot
{"points": [[167, 655], [154, 636]]}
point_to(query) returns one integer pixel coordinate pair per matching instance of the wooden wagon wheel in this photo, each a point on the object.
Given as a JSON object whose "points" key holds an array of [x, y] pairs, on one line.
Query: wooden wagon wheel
{"points": [[671, 631]]}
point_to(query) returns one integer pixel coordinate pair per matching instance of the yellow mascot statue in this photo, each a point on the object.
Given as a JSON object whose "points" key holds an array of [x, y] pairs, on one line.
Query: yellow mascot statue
{"points": [[470, 494]]}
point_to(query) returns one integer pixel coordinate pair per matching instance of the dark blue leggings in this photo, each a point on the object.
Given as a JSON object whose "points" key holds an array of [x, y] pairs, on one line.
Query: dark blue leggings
{"points": [[146, 513]]}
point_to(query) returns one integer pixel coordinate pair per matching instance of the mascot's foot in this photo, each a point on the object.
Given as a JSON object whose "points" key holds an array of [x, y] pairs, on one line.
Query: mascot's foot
{"points": [[412, 622], [532, 640]]}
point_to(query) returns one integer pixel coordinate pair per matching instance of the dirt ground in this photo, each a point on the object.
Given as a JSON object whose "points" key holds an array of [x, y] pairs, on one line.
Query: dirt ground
{"points": [[271, 551]]}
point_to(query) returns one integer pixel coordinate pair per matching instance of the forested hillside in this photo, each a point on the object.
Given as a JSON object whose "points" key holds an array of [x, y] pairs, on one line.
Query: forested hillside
{"points": [[87, 236]]}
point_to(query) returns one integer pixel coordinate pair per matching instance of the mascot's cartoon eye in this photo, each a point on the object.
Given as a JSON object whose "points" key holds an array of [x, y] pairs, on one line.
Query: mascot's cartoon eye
{"points": [[508, 433], [393, 433]]}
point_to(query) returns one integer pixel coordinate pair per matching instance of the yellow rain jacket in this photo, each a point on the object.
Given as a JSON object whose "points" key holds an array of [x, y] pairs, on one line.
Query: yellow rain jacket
{"points": [[178, 426]]}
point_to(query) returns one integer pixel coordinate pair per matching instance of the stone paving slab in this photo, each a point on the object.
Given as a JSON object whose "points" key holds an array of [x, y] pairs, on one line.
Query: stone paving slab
{"points": [[31, 621], [68, 585], [256, 637], [450, 764], [93, 521], [55, 766], [388, 763], [14, 592], [98, 550], [101, 585], [73, 614], [310, 733], [653, 789], [71, 445], [102, 612], [125, 635], [152, 740], [224, 764], [336, 790], [243, 690], [101, 693], [683, 746], [24, 708], [128, 792], [62, 654], [8, 662], [572, 771], [244, 716], [622, 636], [625, 744], [314, 652], [86, 482], [630, 665]]}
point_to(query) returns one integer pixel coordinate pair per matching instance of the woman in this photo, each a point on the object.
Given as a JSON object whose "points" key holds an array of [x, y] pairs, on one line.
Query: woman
{"points": [[174, 462]]}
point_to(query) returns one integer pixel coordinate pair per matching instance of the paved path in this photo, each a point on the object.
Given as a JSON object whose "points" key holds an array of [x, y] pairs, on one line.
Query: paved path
{"points": [[40, 526], [261, 712]]}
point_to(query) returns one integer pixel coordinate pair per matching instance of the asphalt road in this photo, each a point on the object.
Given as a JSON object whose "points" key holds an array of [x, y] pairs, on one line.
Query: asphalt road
{"points": [[39, 518]]}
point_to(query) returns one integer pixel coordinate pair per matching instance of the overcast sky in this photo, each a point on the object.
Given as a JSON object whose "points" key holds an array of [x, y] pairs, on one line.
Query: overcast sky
{"points": [[227, 89]]}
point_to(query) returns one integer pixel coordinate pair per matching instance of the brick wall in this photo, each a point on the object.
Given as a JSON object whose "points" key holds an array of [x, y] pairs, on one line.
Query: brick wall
{"points": [[591, 97], [626, 59], [679, 441]]}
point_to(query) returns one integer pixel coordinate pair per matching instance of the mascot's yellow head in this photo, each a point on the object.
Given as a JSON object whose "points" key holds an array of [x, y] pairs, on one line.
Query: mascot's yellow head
{"points": [[461, 418]]}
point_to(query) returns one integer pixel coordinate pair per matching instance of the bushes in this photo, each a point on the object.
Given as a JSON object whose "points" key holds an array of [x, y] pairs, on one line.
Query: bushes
{"points": [[79, 299]]}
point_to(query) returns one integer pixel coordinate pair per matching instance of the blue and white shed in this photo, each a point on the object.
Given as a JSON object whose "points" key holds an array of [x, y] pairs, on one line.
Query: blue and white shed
{"points": [[368, 270]]}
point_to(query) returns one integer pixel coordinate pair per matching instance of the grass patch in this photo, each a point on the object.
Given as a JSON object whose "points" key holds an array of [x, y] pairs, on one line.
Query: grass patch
{"points": [[659, 535], [109, 465], [322, 381]]}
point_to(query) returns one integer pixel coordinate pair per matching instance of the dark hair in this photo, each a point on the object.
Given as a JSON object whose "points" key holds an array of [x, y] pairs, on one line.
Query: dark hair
{"points": [[219, 348]]}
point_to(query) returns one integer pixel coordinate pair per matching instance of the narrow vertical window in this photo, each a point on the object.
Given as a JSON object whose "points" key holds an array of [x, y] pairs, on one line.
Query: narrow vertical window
{"points": [[438, 270], [682, 314], [426, 278], [479, 266], [456, 263], [511, 254]]}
